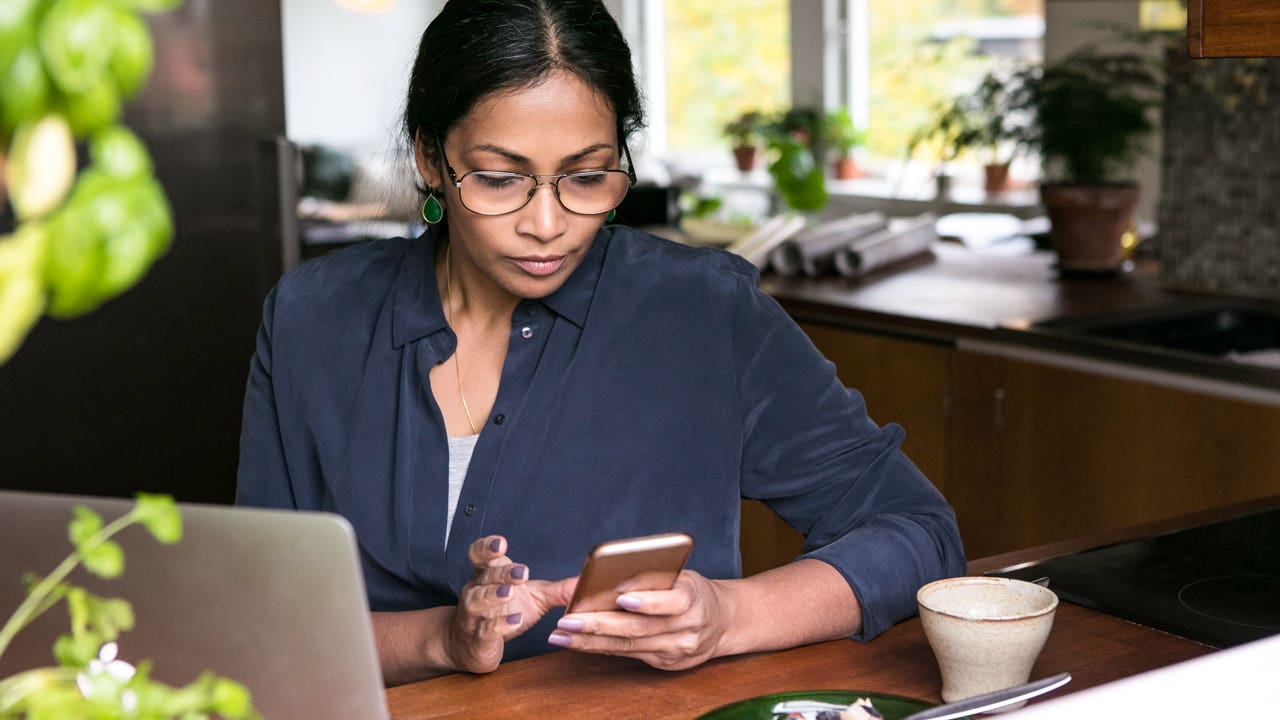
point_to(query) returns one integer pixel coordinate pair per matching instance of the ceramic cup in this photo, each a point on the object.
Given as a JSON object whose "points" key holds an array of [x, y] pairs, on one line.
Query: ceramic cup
{"points": [[985, 631]]}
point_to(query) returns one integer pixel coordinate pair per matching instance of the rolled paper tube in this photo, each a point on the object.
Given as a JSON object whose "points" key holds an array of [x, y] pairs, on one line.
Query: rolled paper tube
{"points": [[757, 246], [903, 239], [810, 251]]}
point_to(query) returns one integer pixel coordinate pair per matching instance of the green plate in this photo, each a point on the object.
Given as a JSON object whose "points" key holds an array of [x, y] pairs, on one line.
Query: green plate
{"points": [[760, 708]]}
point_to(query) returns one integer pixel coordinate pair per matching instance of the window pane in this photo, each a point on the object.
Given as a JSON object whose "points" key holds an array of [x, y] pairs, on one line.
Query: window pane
{"points": [[723, 58], [923, 52]]}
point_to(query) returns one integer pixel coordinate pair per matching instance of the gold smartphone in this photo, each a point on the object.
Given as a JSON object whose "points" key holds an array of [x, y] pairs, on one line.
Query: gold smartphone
{"points": [[651, 562]]}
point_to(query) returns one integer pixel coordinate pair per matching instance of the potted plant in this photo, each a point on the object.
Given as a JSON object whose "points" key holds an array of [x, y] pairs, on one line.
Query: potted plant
{"points": [[952, 128], [999, 132], [842, 136], [744, 132], [797, 174], [1091, 115]]}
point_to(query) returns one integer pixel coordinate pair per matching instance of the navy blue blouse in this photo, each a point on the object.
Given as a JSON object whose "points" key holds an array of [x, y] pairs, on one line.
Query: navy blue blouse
{"points": [[648, 394]]}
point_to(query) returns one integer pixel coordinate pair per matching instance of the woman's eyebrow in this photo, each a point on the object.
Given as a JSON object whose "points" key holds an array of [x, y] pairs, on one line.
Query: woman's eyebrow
{"points": [[518, 158]]}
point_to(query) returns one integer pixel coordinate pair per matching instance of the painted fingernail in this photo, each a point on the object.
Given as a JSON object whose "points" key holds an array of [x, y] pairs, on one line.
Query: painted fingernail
{"points": [[504, 590], [559, 638], [495, 544], [629, 602], [517, 572], [514, 618], [571, 624]]}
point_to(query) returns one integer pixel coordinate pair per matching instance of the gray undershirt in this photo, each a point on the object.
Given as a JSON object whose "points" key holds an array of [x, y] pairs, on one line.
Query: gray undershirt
{"points": [[460, 449]]}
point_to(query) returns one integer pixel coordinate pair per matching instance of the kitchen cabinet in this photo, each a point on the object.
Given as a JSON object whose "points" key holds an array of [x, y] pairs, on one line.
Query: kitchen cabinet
{"points": [[903, 381], [1030, 450], [1048, 449], [1233, 28]]}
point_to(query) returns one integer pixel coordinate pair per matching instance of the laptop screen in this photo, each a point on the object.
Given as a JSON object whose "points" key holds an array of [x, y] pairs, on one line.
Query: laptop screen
{"points": [[272, 599]]}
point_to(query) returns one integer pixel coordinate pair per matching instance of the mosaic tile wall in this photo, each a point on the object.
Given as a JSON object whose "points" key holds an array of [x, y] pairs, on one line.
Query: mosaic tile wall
{"points": [[1219, 211]]}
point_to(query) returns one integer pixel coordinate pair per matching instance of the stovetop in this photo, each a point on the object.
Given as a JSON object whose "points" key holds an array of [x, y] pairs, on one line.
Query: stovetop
{"points": [[1218, 584]]}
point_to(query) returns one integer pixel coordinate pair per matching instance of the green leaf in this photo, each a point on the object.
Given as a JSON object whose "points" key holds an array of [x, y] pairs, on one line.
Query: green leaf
{"points": [[76, 650], [72, 37], [160, 515], [132, 54], [26, 92], [109, 617], [119, 153], [151, 6], [85, 523], [106, 560], [232, 700]]}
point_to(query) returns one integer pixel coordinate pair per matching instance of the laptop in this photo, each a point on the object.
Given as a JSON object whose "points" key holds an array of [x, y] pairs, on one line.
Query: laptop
{"points": [[272, 599]]}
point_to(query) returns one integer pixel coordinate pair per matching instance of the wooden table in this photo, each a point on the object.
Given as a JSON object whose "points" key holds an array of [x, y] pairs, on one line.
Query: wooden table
{"points": [[1093, 647]]}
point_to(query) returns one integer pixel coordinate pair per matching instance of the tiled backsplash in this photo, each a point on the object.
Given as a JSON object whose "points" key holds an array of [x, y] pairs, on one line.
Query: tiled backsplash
{"points": [[1219, 211]]}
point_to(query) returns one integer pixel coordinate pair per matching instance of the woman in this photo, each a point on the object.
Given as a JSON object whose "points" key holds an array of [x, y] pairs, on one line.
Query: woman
{"points": [[489, 401]]}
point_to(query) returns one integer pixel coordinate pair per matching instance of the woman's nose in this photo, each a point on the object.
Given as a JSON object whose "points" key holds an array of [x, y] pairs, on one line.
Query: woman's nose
{"points": [[544, 216]]}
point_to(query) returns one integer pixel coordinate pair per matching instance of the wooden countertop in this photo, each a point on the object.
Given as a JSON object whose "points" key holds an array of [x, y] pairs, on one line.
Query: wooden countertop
{"points": [[954, 291], [1093, 647]]}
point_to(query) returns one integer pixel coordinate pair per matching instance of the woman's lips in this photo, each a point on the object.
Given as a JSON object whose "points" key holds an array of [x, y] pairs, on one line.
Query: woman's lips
{"points": [[540, 265]]}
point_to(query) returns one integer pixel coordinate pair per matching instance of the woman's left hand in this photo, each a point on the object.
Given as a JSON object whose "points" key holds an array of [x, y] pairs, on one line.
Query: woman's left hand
{"points": [[668, 629]]}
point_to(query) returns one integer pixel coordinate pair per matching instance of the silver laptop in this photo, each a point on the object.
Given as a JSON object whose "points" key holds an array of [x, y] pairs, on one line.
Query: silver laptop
{"points": [[272, 599]]}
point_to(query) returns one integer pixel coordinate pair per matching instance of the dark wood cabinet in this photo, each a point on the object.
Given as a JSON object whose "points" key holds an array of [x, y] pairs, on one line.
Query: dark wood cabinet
{"points": [[1233, 28], [1036, 448]]}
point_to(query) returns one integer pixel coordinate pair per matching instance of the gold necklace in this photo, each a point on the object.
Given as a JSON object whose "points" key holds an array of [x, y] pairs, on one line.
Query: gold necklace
{"points": [[457, 356]]}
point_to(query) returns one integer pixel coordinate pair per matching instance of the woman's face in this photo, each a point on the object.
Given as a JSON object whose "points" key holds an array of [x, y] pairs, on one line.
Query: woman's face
{"points": [[558, 126]]}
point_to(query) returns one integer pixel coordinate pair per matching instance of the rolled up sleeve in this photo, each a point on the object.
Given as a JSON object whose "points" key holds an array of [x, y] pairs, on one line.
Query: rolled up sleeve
{"points": [[812, 454]]}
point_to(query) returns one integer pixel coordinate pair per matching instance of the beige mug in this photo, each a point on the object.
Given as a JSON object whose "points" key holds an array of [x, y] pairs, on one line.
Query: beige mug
{"points": [[986, 632]]}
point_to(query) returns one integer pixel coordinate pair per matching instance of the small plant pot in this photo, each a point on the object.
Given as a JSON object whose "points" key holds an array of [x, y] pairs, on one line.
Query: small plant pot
{"points": [[1088, 222], [846, 168], [942, 186], [995, 178], [745, 157]]}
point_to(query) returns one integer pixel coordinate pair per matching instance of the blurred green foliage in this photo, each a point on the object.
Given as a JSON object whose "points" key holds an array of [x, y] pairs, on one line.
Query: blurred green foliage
{"points": [[83, 234], [90, 682]]}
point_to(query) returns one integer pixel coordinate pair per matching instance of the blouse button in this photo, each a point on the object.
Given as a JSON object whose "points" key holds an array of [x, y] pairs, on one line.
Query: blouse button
{"points": [[499, 419], [469, 509], [526, 332], [530, 310]]}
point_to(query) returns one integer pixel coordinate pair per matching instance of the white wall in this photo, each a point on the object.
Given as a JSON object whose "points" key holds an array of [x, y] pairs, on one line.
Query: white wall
{"points": [[345, 73]]}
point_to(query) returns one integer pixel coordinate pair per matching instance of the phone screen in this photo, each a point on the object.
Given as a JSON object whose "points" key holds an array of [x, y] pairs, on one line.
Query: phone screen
{"points": [[645, 563]]}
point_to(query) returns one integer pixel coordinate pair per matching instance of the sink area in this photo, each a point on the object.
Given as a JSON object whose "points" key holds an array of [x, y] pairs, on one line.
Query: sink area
{"points": [[1236, 331], [1205, 337]]}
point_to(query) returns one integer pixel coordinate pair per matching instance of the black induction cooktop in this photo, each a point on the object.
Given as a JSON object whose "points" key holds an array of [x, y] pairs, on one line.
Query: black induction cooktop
{"points": [[1218, 584]]}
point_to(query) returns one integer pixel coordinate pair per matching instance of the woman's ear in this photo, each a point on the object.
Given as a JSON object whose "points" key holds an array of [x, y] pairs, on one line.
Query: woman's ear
{"points": [[425, 157]]}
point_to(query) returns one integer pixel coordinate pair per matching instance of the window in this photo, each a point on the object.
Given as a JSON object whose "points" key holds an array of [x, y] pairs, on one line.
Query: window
{"points": [[890, 63]]}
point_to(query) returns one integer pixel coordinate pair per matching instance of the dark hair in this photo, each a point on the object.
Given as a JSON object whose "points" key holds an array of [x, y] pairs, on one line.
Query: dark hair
{"points": [[476, 47]]}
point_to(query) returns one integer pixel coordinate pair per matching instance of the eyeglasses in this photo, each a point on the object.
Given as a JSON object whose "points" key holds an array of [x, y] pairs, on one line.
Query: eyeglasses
{"points": [[587, 192]]}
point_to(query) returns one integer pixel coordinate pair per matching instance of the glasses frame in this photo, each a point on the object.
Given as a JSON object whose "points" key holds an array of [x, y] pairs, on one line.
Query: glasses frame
{"points": [[539, 180]]}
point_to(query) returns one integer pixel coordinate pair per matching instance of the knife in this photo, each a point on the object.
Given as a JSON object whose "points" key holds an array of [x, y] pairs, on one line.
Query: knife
{"points": [[992, 700], [948, 711]]}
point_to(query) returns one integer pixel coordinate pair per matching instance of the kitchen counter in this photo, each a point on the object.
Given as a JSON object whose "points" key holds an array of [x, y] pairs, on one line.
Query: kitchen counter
{"points": [[957, 296]]}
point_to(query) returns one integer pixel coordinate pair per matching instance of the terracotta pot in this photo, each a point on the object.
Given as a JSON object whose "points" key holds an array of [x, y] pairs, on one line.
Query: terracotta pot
{"points": [[1087, 223], [745, 156], [995, 178], [846, 168]]}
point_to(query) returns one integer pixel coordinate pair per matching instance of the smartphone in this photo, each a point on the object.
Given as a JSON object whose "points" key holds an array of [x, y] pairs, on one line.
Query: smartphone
{"points": [[651, 562]]}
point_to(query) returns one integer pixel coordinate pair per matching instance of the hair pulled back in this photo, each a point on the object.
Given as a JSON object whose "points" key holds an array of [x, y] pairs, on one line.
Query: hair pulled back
{"points": [[474, 48]]}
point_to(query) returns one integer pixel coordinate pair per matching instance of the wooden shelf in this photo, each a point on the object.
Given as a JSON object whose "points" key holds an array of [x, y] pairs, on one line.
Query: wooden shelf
{"points": [[1233, 28]]}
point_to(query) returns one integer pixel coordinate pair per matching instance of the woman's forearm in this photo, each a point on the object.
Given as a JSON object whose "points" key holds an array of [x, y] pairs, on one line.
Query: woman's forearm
{"points": [[411, 645], [804, 602]]}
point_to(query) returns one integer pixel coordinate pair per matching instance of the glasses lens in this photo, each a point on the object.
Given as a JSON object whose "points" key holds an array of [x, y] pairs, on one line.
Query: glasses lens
{"points": [[585, 193], [591, 193]]}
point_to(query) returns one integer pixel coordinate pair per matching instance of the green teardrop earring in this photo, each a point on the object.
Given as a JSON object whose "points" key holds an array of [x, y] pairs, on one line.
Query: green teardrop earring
{"points": [[432, 209], [612, 214]]}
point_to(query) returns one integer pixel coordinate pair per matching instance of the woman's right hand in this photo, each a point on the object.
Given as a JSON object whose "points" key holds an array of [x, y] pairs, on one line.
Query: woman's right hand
{"points": [[498, 603]]}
